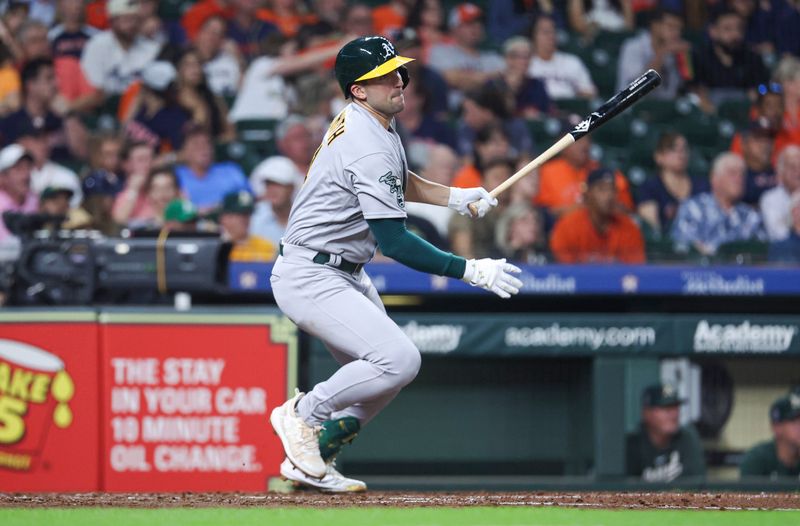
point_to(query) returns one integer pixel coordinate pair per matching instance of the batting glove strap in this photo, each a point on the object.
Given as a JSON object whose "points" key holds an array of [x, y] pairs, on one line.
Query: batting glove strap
{"points": [[494, 275], [460, 199]]}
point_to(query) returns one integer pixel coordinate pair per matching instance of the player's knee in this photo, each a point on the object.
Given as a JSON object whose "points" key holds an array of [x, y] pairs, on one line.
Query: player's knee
{"points": [[406, 364]]}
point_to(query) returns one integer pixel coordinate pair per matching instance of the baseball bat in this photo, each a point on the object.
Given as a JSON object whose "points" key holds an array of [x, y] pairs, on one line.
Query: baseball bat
{"points": [[610, 109]]}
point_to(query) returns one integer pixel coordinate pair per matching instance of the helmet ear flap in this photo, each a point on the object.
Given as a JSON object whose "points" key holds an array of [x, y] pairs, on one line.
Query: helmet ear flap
{"points": [[404, 75]]}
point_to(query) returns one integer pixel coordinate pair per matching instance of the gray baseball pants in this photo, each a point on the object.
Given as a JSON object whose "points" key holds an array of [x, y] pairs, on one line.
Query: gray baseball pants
{"points": [[346, 313]]}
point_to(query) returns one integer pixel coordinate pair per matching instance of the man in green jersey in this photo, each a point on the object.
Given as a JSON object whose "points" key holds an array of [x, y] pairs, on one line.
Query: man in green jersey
{"points": [[662, 450], [779, 457]]}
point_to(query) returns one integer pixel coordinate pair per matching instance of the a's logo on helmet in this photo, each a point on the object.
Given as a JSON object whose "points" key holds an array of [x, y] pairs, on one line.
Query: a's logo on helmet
{"points": [[388, 50]]}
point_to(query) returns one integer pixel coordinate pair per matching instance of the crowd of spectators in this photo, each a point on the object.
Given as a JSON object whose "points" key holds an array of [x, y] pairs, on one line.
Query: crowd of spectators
{"points": [[137, 114]]}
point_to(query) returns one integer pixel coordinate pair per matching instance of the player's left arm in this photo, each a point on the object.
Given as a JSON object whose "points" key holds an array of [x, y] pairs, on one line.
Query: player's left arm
{"points": [[420, 190]]}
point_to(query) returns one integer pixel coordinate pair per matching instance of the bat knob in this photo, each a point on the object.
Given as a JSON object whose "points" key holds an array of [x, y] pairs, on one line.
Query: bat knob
{"points": [[473, 209]]}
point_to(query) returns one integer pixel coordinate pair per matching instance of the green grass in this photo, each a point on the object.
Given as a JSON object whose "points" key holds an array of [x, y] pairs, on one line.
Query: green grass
{"points": [[510, 516]]}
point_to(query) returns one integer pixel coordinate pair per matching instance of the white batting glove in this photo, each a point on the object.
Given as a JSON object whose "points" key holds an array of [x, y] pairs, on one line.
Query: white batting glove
{"points": [[460, 199], [494, 275]]}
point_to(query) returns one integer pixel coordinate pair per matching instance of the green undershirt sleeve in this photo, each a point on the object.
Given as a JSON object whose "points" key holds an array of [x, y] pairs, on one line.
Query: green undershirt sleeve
{"points": [[396, 242]]}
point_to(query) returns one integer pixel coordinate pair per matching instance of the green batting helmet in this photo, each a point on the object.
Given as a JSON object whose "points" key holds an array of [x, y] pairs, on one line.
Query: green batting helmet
{"points": [[368, 58]]}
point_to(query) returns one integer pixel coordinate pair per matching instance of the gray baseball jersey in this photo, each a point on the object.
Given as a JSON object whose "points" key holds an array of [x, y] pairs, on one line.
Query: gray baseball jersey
{"points": [[358, 173]]}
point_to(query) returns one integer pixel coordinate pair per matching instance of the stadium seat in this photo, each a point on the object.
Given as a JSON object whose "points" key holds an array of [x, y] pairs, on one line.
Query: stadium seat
{"points": [[615, 132], [578, 106], [736, 111], [258, 134], [656, 112]]}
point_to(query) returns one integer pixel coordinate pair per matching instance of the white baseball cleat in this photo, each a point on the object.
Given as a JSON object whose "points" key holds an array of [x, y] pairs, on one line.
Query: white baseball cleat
{"points": [[300, 440], [332, 482]]}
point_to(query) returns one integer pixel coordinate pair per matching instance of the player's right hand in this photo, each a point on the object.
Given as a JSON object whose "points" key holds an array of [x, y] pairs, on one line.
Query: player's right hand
{"points": [[494, 275]]}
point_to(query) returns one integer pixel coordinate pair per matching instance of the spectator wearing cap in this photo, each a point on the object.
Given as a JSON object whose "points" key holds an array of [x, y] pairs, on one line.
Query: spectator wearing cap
{"points": [[67, 41], [157, 117], [597, 232], [661, 48], [55, 201], [724, 68], [391, 16], [779, 457], [463, 65], [561, 180], [486, 107], [768, 106], [757, 146], [194, 95], [46, 172], [180, 215], [199, 12], [529, 97], [45, 110], [661, 193], [15, 184], [115, 58], [234, 218], [245, 28], [287, 15], [662, 450], [221, 61], [564, 75], [775, 203], [204, 181], [787, 251], [710, 219], [274, 181]]}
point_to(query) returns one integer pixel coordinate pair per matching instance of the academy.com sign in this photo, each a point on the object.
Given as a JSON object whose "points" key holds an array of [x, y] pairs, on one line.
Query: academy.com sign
{"points": [[743, 337], [593, 338]]}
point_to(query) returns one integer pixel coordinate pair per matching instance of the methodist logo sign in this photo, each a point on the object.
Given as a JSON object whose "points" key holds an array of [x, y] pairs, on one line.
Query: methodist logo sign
{"points": [[35, 391]]}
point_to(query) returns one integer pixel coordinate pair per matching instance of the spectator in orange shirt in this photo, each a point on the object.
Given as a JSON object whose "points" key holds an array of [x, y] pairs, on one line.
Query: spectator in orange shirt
{"points": [[597, 232], [391, 16], [561, 180]]}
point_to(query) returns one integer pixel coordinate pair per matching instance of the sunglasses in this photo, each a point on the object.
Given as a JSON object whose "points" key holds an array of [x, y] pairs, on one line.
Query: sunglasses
{"points": [[772, 87]]}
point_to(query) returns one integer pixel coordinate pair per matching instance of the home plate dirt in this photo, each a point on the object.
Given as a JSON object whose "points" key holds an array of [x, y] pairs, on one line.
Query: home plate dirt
{"points": [[715, 501]]}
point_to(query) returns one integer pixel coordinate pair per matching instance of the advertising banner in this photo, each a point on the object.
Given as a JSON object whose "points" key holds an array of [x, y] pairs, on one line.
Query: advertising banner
{"points": [[568, 280], [186, 400], [49, 414], [582, 335]]}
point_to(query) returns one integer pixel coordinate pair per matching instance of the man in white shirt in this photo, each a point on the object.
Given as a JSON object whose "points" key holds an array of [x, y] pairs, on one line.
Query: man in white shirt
{"points": [[273, 181], [462, 64], [775, 203], [564, 75], [115, 58]]}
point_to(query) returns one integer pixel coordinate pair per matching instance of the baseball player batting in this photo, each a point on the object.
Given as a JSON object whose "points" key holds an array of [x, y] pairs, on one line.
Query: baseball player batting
{"points": [[352, 202]]}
